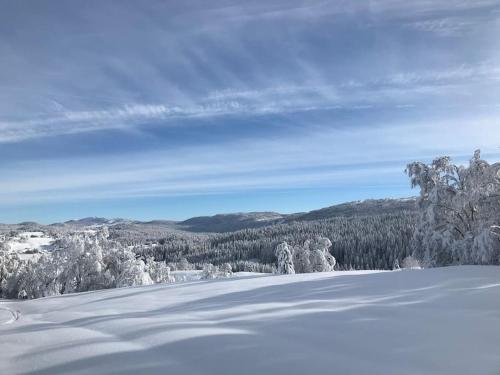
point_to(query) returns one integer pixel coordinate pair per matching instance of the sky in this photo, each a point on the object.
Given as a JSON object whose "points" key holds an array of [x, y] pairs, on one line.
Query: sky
{"points": [[173, 109]]}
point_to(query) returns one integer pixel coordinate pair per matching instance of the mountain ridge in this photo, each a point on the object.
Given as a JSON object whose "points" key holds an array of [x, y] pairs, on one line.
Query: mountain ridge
{"points": [[230, 222]]}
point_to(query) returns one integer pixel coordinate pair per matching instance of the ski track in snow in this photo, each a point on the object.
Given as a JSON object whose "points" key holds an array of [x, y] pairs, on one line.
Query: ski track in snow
{"points": [[14, 315]]}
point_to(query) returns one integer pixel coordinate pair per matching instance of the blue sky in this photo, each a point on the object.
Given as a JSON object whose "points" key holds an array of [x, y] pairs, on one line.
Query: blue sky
{"points": [[171, 109]]}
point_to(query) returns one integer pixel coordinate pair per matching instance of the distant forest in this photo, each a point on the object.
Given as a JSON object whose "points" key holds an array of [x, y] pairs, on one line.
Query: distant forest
{"points": [[358, 242]]}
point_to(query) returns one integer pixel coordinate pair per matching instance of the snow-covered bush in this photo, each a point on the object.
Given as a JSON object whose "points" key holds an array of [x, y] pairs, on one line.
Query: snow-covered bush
{"points": [[209, 272], [410, 263], [158, 271], [285, 262]]}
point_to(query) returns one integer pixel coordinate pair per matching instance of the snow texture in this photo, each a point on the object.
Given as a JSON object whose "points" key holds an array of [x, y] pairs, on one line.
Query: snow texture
{"points": [[431, 321], [30, 241]]}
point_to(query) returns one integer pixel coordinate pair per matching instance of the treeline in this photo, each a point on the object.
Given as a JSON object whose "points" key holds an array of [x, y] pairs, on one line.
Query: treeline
{"points": [[369, 242], [79, 262]]}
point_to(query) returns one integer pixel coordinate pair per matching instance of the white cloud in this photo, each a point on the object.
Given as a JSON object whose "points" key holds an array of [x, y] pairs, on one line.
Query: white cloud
{"points": [[327, 157], [399, 89]]}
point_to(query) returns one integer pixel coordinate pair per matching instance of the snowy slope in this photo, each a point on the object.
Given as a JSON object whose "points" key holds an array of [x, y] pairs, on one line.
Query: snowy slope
{"points": [[30, 242], [436, 321]]}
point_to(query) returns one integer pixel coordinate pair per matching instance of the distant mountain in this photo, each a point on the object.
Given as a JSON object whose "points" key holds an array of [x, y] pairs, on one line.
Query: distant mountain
{"points": [[360, 208], [89, 221], [230, 222], [237, 221]]}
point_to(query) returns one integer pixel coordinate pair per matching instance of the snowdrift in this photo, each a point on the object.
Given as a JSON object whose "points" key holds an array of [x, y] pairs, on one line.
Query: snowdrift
{"points": [[435, 321]]}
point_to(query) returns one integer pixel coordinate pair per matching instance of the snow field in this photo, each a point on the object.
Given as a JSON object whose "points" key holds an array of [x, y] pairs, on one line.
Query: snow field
{"points": [[431, 321]]}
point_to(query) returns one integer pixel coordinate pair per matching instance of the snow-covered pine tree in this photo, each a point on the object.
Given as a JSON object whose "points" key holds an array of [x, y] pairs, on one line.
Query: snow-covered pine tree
{"points": [[225, 270], [395, 266], [285, 262]]}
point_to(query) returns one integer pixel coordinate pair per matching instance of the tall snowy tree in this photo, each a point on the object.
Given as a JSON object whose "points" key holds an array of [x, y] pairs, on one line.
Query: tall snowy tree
{"points": [[285, 262], [459, 208], [226, 270], [302, 258], [321, 259]]}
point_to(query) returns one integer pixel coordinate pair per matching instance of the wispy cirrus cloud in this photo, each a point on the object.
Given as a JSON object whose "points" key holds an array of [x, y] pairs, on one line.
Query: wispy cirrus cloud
{"points": [[148, 98], [447, 26], [323, 158], [394, 90]]}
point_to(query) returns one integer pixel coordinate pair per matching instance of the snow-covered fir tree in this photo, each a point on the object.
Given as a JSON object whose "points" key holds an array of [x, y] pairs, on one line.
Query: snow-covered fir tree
{"points": [[285, 262]]}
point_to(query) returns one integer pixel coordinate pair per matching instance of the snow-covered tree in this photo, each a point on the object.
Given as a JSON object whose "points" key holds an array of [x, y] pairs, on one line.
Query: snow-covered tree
{"points": [[459, 209], [209, 272], [285, 262], [158, 271], [410, 262], [184, 265], [225, 270], [314, 256], [395, 265], [318, 261], [321, 259], [5, 268], [302, 259], [124, 269], [134, 274]]}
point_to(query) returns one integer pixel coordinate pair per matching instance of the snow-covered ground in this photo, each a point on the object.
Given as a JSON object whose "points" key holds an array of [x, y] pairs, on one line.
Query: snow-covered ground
{"points": [[433, 321], [29, 242], [196, 275]]}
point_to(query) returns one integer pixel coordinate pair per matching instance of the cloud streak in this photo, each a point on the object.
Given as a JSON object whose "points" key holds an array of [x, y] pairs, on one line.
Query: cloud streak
{"points": [[149, 99], [395, 90], [324, 158]]}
